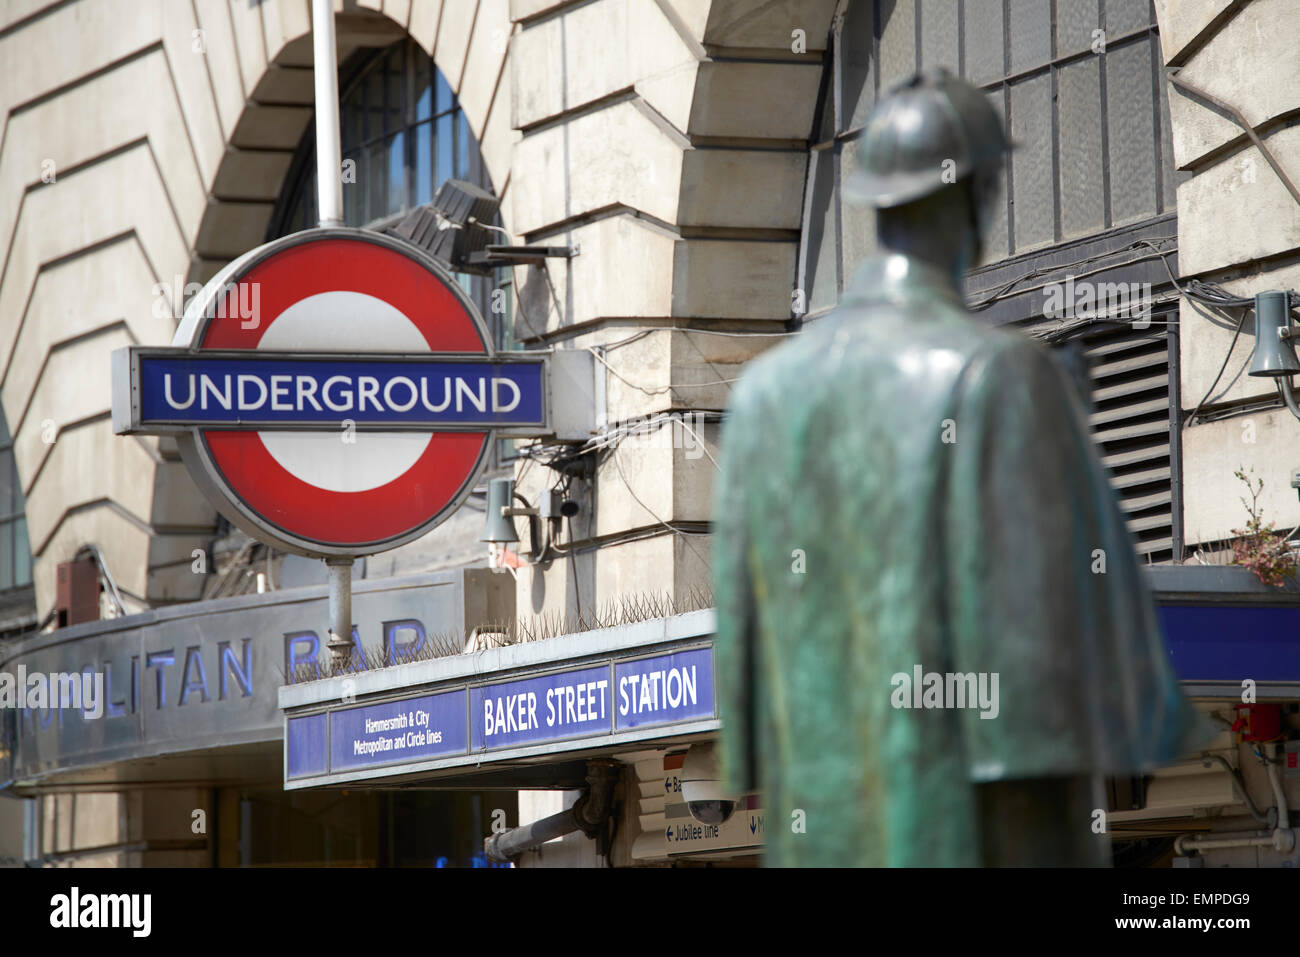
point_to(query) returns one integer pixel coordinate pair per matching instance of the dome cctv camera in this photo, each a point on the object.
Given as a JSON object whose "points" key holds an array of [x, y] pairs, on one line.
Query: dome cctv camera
{"points": [[701, 787]]}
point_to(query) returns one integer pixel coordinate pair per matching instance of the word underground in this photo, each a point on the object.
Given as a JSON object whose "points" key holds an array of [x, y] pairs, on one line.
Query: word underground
{"points": [[38, 691], [339, 393], [567, 704], [75, 909], [412, 739], [948, 690]]}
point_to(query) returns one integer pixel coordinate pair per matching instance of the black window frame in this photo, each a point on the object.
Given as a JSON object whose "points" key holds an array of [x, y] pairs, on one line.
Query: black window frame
{"points": [[1009, 290]]}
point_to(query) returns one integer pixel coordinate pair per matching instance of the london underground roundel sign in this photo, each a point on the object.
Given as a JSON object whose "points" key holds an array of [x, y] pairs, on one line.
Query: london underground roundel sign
{"points": [[335, 392]]}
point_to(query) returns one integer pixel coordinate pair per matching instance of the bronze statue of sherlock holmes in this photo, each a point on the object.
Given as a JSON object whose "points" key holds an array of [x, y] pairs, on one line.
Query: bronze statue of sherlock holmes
{"points": [[932, 631]]}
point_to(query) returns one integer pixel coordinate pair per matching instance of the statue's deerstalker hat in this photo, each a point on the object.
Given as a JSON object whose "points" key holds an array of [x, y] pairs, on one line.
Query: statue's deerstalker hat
{"points": [[930, 130]]}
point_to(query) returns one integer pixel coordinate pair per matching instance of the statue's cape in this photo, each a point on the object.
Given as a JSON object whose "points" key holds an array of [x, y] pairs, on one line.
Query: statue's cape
{"points": [[907, 493]]}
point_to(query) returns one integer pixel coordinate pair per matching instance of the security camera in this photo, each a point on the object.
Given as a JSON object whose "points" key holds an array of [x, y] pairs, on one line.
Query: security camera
{"points": [[701, 787], [1295, 480]]}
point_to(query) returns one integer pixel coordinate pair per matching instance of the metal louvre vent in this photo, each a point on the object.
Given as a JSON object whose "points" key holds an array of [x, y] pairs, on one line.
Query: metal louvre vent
{"points": [[1129, 373]]}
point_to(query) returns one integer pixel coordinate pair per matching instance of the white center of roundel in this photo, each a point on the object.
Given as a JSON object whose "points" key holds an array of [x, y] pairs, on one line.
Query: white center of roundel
{"points": [[344, 322]]}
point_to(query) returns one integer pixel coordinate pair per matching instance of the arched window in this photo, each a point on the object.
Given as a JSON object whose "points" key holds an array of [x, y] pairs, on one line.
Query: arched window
{"points": [[403, 134]]}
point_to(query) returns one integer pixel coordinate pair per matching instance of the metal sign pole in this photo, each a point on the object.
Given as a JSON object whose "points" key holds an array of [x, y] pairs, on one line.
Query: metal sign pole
{"points": [[329, 197], [340, 643], [329, 155]]}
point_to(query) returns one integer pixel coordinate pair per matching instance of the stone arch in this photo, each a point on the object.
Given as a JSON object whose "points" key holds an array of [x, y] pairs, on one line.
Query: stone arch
{"points": [[160, 122], [467, 43]]}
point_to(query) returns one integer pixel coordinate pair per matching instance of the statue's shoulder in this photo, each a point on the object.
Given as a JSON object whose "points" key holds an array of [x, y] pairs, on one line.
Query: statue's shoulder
{"points": [[1005, 357], [997, 344], [878, 348]]}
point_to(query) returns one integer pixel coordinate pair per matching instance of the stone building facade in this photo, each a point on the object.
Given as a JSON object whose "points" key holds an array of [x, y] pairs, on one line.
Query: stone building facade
{"points": [[691, 152]]}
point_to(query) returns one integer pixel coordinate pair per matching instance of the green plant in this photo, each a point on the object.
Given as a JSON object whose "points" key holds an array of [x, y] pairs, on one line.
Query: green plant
{"points": [[1258, 546]]}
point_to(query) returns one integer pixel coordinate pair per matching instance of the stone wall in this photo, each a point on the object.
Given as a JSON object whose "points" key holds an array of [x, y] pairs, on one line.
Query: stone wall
{"points": [[1237, 225], [668, 142]]}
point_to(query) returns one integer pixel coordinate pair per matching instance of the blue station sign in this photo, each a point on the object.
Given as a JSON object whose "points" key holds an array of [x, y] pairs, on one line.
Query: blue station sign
{"points": [[676, 687], [563, 705], [585, 706]]}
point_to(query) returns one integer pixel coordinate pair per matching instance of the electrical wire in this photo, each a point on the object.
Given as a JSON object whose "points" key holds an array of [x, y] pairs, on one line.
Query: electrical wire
{"points": [[676, 531], [594, 350], [1228, 355], [1164, 262], [1211, 294], [1063, 332], [1263, 404], [1215, 295], [703, 332], [1058, 269], [700, 439], [573, 568], [611, 437]]}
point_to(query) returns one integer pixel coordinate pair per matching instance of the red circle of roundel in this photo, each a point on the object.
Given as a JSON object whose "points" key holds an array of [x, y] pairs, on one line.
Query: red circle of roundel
{"points": [[280, 497]]}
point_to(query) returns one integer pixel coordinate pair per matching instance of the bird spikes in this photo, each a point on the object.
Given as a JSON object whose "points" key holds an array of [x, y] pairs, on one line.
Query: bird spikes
{"points": [[625, 610]]}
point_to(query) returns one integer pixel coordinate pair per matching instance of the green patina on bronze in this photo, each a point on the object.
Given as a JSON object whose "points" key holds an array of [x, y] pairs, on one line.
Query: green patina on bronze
{"points": [[905, 486]]}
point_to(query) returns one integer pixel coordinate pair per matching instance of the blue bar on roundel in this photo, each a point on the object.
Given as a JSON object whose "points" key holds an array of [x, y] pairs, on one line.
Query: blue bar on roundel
{"points": [[279, 390]]}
